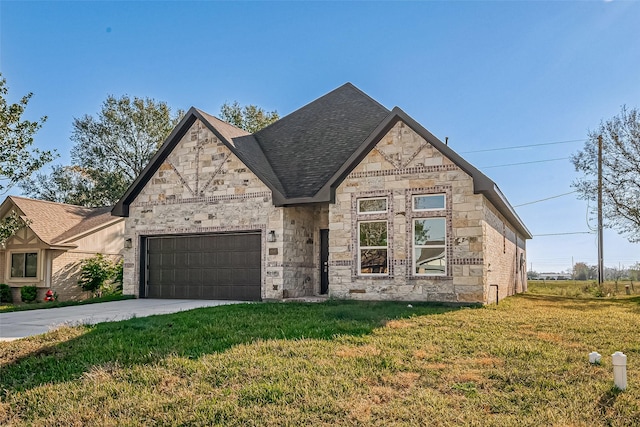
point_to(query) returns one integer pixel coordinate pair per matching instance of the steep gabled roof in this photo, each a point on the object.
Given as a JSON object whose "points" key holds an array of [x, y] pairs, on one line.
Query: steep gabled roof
{"points": [[58, 223], [304, 156], [308, 146]]}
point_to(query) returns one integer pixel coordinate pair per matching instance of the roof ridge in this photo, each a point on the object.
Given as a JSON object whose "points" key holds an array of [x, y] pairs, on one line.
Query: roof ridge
{"points": [[364, 94], [57, 203]]}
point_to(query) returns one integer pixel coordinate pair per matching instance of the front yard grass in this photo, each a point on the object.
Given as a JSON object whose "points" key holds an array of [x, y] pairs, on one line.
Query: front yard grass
{"points": [[521, 363]]}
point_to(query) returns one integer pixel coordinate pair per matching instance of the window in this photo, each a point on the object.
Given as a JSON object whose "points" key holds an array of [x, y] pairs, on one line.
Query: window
{"points": [[24, 264], [372, 255], [429, 247], [431, 202], [372, 206]]}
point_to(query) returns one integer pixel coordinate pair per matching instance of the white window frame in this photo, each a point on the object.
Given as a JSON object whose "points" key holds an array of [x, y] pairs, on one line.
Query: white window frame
{"points": [[386, 202], [415, 196], [9, 263], [360, 248], [415, 246]]}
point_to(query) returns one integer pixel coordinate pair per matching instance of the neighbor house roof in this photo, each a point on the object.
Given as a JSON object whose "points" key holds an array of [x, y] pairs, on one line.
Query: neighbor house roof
{"points": [[305, 155], [57, 224]]}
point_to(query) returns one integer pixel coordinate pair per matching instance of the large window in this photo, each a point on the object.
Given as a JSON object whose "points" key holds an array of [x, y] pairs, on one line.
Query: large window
{"points": [[24, 264], [429, 243], [372, 256]]}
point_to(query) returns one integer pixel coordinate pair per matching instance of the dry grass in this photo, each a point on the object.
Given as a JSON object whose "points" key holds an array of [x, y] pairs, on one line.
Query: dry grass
{"points": [[522, 363]]}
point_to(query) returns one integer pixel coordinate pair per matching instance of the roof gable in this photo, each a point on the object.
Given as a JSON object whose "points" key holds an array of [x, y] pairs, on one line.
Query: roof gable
{"points": [[305, 155], [56, 223], [481, 183]]}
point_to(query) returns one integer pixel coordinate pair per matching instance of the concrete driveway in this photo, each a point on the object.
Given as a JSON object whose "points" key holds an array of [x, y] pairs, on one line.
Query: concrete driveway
{"points": [[22, 324]]}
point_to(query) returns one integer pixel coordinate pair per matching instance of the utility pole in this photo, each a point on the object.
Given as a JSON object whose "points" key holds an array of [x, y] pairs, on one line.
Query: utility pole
{"points": [[600, 255]]}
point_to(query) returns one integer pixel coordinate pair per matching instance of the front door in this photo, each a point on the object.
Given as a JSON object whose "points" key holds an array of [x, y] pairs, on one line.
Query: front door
{"points": [[324, 261]]}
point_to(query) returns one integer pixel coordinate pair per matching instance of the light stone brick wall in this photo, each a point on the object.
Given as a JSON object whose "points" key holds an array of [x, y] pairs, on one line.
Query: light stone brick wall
{"points": [[203, 188], [301, 250], [505, 251], [401, 165]]}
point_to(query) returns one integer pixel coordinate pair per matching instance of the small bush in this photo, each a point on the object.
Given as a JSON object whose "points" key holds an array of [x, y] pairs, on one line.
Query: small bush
{"points": [[100, 275], [28, 293], [5, 293]]}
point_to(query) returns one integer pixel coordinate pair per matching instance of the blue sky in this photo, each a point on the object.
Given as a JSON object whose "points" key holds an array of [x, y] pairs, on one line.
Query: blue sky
{"points": [[484, 74]]}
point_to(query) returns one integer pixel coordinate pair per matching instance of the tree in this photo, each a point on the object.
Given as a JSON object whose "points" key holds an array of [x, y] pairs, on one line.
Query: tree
{"points": [[76, 185], [17, 160], [250, 117], [110, 150], [620, 171], [99, 274], [580, 271], [634, 271]]}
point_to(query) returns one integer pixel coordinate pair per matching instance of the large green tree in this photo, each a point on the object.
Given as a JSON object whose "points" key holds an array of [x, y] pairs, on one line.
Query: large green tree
{"points": [[250, 117], [110, 150], [620, 171], [18, 160]]}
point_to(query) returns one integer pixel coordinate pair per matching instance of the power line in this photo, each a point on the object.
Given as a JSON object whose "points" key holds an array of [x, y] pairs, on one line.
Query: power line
{"points": [[562, 234], [522, 146], [544, 200], [525, 163]]}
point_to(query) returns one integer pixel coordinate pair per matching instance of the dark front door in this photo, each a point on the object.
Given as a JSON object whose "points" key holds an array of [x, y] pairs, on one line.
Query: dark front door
{"points": [[213, 266], [324, 261]]}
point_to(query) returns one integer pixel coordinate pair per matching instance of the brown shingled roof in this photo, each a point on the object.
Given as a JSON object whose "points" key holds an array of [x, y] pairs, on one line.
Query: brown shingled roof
{"points": [[56, 223]]}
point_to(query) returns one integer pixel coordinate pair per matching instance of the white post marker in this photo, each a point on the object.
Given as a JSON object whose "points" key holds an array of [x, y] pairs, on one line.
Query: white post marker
{"points": [[619, 370], [594, 357]]}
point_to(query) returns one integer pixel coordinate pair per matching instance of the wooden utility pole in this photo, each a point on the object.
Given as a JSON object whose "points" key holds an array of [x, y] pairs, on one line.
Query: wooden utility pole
{"points": [[600, 255]]}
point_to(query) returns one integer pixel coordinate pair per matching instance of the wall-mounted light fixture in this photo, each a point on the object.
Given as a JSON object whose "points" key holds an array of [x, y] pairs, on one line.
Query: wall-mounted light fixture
{"points": [[128, 244], [271, 236]]}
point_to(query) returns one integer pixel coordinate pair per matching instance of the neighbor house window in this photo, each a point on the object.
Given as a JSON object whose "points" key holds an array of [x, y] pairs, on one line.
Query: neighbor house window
{"points": [[431, 202], [429, 237], [372, 206], [372, 256], [24, 264]]}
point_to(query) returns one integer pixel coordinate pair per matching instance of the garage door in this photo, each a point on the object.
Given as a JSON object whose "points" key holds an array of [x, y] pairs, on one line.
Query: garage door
{"points": [[214, 266]]}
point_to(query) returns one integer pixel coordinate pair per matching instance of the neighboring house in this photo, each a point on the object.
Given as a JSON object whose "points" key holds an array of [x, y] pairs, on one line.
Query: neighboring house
{"points": [[341, 197], [48, 250]]}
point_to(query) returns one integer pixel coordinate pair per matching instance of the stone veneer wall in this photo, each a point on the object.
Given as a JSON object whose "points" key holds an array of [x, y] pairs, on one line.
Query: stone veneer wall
{"points": [[401, 165], [505, 251], [300, 257], [203, 188]]}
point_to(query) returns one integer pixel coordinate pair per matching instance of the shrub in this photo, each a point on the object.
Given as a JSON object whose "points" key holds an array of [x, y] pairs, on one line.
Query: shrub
{"points": [[28, 293], [5, 293], [98, 274]]}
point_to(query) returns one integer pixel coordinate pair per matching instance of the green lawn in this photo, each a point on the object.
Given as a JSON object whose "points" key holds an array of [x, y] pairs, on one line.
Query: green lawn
{"points": [[583, 288], [523, 362]]}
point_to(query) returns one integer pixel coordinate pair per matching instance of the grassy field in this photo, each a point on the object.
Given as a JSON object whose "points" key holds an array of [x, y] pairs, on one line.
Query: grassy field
{"points": [[521, 363], [583, 288]]}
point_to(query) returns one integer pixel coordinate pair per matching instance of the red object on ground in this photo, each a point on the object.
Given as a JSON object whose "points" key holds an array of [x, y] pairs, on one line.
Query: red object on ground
{"points": [[49, 296]]}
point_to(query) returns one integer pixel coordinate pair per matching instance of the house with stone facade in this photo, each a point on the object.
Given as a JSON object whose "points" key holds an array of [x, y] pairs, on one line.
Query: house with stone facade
{"points": [[342, 197], [48, 250]]}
